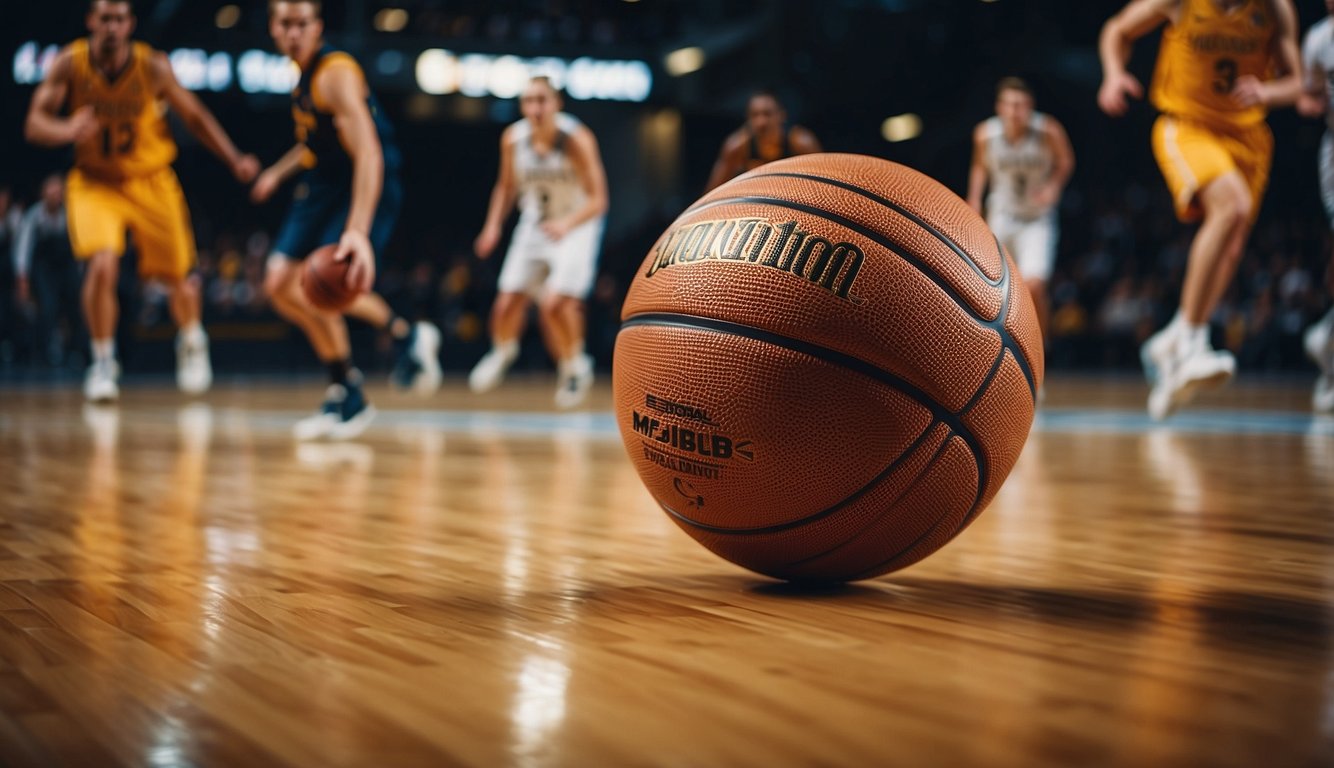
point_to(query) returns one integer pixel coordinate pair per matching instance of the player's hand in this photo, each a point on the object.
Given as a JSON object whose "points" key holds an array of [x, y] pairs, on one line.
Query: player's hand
{"points": [[556, 229], [1046, 195], [246, 168], [1310, 106], [1115, 88], [1250, 91], [267, 183], [361, 272], [82, 125], [486, 242]]}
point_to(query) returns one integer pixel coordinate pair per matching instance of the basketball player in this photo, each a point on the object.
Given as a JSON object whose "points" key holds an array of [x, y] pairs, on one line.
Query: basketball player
{"points": [[349, 194], [1214, 149], [1318, 59], [764, 138], [550, 165], [122, 179], [1026, 159]]}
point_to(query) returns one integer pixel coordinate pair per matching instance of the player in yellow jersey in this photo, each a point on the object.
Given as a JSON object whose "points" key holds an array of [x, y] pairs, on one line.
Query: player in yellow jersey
{"points": [[122, 180], [1222, 64]]}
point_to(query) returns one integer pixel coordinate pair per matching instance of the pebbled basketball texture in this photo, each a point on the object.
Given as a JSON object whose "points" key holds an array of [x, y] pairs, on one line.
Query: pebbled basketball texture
{"points": [[324, 280], [826, 368]]}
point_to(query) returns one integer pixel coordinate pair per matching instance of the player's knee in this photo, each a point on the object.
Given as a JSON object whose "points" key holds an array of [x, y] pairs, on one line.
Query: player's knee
{"points": [[277, 278], [103, 269]]}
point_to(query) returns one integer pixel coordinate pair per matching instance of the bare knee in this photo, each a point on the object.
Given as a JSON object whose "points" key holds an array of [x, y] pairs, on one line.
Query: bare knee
{"points": [[279, 279], [103, 271], [1231, 205]]}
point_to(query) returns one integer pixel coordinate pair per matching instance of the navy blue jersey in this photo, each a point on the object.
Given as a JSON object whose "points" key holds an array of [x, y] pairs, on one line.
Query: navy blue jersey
{"points": [[325, 156]]}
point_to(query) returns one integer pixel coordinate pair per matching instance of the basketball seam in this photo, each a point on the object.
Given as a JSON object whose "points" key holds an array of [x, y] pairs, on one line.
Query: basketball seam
{"points": [[817, 516], [986, 382], [832, 357], [997, 324], [869, 195]]}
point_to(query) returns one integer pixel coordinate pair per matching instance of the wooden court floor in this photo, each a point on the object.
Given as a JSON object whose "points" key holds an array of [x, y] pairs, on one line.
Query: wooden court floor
{"points": [[482, 582]]}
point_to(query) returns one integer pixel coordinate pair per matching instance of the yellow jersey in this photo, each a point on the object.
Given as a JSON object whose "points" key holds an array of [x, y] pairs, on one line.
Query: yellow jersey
{"points": [[1204, 53], [133, 138]]}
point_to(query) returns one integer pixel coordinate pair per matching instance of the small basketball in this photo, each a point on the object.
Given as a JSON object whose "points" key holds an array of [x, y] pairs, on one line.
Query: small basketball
{"points": [[826, 368], [325, 280]]}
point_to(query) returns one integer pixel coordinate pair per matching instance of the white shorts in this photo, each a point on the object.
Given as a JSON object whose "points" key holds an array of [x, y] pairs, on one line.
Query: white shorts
{"points": [[1031, 242], [536, 264], [1327, 176]]}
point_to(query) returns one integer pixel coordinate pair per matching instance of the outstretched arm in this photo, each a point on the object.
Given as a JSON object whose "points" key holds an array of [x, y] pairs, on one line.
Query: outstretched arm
{"points": [[1120, 32], [274, 176], [200, 121]]}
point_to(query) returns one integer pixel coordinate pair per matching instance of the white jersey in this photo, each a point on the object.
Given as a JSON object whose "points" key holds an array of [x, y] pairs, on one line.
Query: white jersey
{"points": [[1016, 170], [1318, 53], [548, 184]]}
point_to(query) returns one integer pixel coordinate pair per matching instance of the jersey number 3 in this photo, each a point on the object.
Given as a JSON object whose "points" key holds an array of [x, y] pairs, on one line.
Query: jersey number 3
{"points": [[117, 139], [1226, 72]]}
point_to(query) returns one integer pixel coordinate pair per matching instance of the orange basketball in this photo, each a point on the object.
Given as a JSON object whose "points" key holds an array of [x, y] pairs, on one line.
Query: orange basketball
{"points": [[826, 368], [325, 280]]}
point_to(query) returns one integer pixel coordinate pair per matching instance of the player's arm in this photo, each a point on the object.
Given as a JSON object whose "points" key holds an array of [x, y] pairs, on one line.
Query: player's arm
{"points": [[1284, 89], [22, 254], [343, 92], [274, 176], [587, 161], [977, 171], [1063, 162], [503, 196], [44, 126], [199, 120], [802, 142], [730, 162], [1312, 102], [1132, 22]]}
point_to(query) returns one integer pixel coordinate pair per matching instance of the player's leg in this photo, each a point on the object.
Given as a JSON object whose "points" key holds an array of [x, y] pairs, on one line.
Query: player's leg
{"points": [[1035, 255], [162, 231], [97, 223], [1318, 341], [509, 313], [574, 267]]}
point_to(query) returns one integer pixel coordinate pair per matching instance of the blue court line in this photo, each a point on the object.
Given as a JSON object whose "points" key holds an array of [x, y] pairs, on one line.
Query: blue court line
{"points": [[602, 424]]}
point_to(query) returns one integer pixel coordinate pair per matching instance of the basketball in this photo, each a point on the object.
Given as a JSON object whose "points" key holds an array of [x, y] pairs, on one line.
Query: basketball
{"points": [[826, 368], [325, 280]]}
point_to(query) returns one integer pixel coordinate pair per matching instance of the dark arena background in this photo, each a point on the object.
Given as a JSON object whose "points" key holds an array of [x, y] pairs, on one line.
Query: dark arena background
{"points": [[482, 579]]}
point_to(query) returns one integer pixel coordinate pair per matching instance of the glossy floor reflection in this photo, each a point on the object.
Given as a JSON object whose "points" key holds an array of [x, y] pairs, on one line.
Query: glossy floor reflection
{"points": [[482, 582]]}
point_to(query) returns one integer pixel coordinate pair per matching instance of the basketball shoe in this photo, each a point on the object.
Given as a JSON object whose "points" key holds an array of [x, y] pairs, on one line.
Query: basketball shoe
{"points": [[194, 372], [1192, 366], [575, 379], [345, 414], [418, 364], [1318, 341], [100, 386], [490, 370]]}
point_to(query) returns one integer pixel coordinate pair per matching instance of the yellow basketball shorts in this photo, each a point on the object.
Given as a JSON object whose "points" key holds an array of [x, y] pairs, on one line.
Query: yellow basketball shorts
{"points": [[1192, 154], [152, 208]]}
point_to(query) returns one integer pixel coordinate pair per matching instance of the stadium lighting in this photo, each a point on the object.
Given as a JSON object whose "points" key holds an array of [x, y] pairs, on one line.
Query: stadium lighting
{"points": [[391, 20], [901, 127], [227, 16], [683, 61], [480, 74]]}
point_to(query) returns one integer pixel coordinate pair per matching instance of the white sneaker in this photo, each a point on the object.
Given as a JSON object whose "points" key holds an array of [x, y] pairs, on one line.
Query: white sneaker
{"points": [[575, 382], [1318, 341], [100, 386], [1322, 399], [424, 357], [490, 370], [194, 372], [1156, 353], [1182, 379]]}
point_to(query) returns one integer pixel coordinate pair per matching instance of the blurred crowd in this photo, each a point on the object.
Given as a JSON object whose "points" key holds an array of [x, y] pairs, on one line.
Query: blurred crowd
{"points": [[1116, 281]]}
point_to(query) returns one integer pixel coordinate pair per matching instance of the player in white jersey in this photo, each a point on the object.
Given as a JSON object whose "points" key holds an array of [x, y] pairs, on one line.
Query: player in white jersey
{"points": [[1026, 159], [550, 166], [1318, 63]]}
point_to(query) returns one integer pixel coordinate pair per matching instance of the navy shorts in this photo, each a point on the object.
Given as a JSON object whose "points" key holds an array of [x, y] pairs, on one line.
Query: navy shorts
{"points": [[319, 215]]}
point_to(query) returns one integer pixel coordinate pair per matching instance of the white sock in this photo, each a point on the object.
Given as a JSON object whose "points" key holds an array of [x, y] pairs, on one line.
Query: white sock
{"points": [[1197, 336], [507, 349], [193, 334], [104, 350]]}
